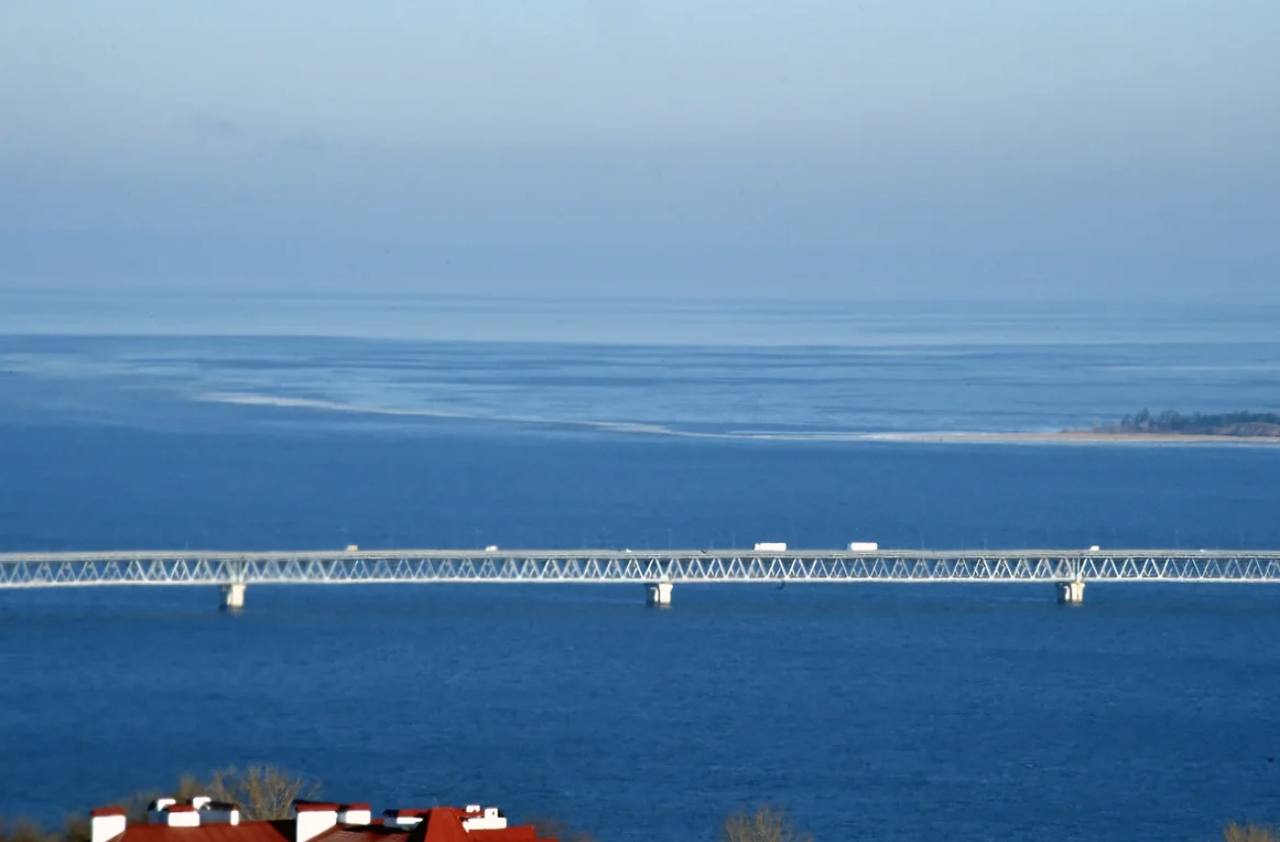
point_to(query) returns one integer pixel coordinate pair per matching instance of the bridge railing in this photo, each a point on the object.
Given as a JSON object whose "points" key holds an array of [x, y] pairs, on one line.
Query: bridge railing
{"points": [[42, 570]]}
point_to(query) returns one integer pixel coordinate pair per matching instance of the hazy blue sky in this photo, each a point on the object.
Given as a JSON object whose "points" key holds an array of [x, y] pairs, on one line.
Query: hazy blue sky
{"points": [[809, 149]]}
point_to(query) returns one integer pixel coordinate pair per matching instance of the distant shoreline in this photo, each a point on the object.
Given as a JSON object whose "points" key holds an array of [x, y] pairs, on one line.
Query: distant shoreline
{"points": [[1099, 436], [1242, 424], [1078, 437], [1239, 428]]}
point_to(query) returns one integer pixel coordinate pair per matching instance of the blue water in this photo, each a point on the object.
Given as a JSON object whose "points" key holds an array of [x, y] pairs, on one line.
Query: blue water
{"points": [[970, 712]]}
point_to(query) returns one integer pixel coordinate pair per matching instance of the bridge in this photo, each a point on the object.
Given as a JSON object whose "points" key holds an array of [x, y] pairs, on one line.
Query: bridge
{"points": [[1068, 570]]}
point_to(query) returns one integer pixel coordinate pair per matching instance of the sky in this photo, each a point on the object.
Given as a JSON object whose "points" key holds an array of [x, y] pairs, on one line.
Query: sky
{"points": [[908, 149]]}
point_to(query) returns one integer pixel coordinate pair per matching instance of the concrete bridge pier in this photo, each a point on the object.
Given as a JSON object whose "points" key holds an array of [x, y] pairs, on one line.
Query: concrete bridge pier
{"points": [[233, 596], [1072, 592], [659, 593]]}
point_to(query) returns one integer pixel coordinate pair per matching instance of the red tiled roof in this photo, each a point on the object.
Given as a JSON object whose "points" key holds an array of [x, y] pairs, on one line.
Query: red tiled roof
{"points": [[522, 833], [106, 811], [444, 824], [363, 833], [276, 831]]}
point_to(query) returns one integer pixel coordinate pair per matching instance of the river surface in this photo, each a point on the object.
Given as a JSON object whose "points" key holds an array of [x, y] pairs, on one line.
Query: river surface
{"points": [[887, 712]]}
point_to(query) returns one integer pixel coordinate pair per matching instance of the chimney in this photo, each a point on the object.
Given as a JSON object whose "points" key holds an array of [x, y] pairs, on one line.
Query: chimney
{"points": [[490, 818], [217, 812], [312, 818], [355, 814], [106, 823], [403, 818], [155, 810], [180, 815]]}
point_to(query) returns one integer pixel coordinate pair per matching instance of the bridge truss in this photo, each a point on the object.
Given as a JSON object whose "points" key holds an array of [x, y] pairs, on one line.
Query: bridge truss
{"points": [[44, 570]]}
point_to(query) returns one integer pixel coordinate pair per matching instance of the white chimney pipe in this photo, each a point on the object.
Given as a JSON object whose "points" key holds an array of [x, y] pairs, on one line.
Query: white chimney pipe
{"points": [[403, 818], [155, 810], [490, 818], [218, 812], [312, 818], [355, 814], [181, 815], [106, 823]]}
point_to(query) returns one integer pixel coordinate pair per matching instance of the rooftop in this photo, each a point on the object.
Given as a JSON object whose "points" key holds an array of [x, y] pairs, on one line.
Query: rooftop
{"points": [[201, 820]]}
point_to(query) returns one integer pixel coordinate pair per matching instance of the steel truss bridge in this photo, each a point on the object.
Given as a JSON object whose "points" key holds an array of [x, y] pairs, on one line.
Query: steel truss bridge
{"points": [[46, 570]]}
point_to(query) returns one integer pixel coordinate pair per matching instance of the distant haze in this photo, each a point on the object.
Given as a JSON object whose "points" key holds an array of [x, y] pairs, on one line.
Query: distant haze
{"points": [[805, 150]]}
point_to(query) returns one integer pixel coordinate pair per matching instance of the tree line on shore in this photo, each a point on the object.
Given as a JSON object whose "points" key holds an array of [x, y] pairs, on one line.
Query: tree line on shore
{"points": [[1196, 423], [265, 792]]}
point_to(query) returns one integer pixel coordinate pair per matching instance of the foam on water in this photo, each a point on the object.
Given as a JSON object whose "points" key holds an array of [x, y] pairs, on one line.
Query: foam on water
{"points": [[820, 394]]}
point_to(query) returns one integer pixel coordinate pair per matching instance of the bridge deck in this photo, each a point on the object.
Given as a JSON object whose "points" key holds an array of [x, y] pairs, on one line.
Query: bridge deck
{"points": [[42, 570]]}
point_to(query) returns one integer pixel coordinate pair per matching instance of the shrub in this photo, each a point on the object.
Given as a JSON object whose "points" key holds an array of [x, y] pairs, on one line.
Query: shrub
{"points": [[24, 830], [263, 792], [767, 824], [1249, 833]]}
